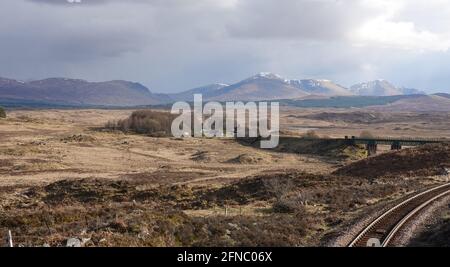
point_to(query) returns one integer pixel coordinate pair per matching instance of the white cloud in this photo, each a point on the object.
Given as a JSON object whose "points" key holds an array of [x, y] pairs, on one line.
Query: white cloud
{"points": [[388, 30], [399, 35]]}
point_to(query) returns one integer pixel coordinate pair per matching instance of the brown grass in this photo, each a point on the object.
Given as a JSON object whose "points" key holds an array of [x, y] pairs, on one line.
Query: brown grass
{"points": [[135, 213], [175, 192]]}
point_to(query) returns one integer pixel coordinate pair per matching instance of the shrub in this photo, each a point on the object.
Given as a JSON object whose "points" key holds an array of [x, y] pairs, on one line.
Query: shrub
{"points": [[288, 205], [278, 187], [366, 134], [2, 113], [286, 199], [311, 135]]}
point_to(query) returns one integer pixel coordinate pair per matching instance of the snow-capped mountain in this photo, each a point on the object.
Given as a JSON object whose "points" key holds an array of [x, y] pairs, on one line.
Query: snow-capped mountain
{"points": [[263, 86], [375, 88], [321, 87], [267, 86], [411, 91], [382, 88]]}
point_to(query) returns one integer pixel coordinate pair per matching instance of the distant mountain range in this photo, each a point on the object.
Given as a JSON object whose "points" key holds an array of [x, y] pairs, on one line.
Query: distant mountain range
{"points": [[268, 86], [263, 86], [80, 92]]}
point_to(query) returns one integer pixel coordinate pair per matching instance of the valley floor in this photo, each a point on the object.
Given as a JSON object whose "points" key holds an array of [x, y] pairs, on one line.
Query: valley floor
{"points": [[62, 175]]}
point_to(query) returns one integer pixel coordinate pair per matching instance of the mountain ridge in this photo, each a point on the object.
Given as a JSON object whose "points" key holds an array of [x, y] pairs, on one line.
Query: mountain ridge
{"points": [[80, 92], [270, 86], [382, 88], [259, 87]]}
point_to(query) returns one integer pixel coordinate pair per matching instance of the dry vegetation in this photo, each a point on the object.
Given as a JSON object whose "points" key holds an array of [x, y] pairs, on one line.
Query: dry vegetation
{"points": [[61, 177], [282, 209], [328, 149], [119, 214], [427, 160]]}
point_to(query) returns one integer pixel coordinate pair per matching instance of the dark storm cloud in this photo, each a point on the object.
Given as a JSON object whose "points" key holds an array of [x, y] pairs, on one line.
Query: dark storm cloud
{"points": [[74, 35], [172, 45], [97, 2], [77, 2]]}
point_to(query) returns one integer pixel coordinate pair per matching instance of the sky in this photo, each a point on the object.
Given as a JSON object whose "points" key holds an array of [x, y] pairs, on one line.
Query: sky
{"points": [[175, 45]]}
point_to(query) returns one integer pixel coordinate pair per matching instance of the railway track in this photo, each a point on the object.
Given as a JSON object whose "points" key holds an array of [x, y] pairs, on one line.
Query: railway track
{"points": [[382, 230]]}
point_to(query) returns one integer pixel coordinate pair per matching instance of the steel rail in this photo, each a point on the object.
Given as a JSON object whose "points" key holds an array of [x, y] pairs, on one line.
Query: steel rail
{"points": [[397, 207]]}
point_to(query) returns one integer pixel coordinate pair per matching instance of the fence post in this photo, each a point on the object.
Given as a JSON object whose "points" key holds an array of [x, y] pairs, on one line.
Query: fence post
{"points": [[9, 239]]}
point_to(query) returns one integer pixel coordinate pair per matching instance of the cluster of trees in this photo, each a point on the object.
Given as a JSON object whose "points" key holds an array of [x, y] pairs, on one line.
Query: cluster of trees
{"points": [[2, 113], [149, 122]]}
